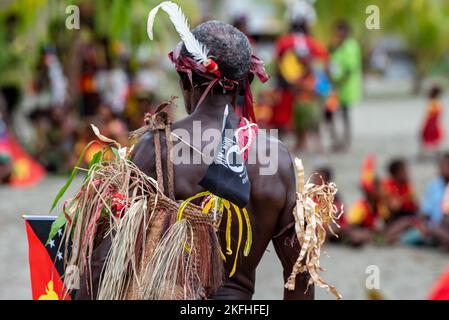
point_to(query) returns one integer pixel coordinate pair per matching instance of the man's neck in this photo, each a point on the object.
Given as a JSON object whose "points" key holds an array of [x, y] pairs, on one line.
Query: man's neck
{"points": [[213, 106]]}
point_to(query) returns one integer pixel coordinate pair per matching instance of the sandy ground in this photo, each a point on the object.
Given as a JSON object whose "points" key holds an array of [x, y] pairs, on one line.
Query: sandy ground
{"points": [[385, 127]]}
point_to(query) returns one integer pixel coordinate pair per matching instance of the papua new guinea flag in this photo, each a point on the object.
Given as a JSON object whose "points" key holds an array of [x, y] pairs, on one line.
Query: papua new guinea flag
{"points": [[227, 177], [25, 170], [46, 261]]}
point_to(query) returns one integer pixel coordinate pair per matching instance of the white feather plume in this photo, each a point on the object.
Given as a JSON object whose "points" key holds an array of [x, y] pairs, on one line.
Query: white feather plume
{"points": [[198, 50]]}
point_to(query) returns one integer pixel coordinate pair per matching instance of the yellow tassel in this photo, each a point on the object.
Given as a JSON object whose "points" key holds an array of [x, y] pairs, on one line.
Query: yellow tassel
{"points": [[239, 241], [249, 235], [188, 200], [228, 227], [208, 204], [224, 204]]}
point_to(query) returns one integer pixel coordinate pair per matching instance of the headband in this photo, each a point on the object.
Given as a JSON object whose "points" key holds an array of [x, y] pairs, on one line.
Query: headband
{"points": [[201, 63]]}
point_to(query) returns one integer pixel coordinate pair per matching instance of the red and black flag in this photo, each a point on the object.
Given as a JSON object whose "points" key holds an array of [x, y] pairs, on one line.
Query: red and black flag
{"points": [[25, 170], [46, 259]]}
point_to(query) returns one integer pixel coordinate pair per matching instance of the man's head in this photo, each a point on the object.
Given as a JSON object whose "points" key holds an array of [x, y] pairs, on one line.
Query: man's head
{"points": [[341, 32], [300, 26], [240, 21], [435, 92], [324, 175], [398, 170], [302, 15], [444, 166], [230, 49]]}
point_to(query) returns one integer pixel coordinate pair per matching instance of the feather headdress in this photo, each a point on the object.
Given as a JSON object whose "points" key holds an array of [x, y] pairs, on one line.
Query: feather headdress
{"points": [[301, 9], [197, 49]]}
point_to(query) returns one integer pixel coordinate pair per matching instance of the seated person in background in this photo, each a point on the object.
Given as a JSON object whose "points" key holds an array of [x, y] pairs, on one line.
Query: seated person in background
{"points": [[433, 197], [435, 206], [398, 191], [325, 175], [432, 227], [439, 233], [367, 214], [403, 223]]}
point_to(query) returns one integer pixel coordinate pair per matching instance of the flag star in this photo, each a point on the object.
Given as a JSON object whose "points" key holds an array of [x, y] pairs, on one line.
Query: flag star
{"points": [[60, 232], [59, 255], [51, 243]]}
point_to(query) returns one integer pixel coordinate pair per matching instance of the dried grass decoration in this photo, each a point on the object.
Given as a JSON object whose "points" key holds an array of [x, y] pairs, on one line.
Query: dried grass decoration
{"points": [[167, 249], [161, 248], [314, 212]]}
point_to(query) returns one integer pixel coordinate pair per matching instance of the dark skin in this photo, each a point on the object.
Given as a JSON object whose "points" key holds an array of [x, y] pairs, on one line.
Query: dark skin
{"points": [[400, 177], [271, 203]]}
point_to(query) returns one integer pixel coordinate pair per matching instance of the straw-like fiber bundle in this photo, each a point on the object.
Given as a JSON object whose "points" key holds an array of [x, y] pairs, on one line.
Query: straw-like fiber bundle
{"points": [[314, 212]]}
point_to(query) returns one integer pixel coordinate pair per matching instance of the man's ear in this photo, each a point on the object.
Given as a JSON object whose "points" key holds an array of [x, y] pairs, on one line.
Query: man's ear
{"points": [[251, 78], [186, 90], [184, 81]]}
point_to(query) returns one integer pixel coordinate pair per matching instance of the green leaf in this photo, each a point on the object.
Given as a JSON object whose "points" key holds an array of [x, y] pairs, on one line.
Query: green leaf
{"points": [[105, 211], [60, 221], [71, 177], [115, 152], [96, 159]]}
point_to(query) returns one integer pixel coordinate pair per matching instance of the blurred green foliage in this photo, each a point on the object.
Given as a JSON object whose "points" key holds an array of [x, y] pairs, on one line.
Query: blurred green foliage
{"points": [[40, 22], [421, 23]]}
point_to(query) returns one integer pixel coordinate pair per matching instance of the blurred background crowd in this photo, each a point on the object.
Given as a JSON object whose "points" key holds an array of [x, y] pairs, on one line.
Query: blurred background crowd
{"points": [[342, 76]]}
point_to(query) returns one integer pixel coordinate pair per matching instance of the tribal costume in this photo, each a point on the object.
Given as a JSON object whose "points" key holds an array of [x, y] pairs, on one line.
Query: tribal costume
{"points": [[368, 211], [133, 239], [300, 57], [297, 80]]}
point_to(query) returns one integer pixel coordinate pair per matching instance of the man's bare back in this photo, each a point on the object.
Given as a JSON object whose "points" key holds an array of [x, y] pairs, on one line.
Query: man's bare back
{"points": [[270, 208], [272, 196]]}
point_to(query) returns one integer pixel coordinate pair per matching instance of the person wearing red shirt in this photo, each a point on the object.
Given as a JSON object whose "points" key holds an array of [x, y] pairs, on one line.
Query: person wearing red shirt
{"points": [[399, 191]]}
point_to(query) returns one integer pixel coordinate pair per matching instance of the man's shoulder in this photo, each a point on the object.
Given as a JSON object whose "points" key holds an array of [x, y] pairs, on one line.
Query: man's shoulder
{"points": [[273, 166], [143, 142], [274, 149], [143, 154]]}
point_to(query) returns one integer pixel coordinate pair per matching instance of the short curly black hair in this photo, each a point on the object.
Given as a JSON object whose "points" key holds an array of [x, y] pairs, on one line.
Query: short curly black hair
{"points": [[229, 46], [396, 165]]}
